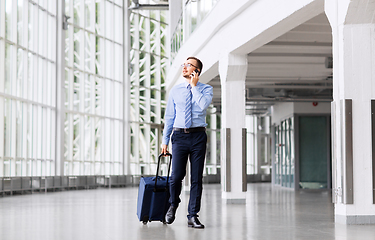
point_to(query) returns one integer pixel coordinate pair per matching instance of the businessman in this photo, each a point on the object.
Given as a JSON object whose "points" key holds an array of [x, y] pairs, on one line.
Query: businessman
{"points": [[185, 120]]}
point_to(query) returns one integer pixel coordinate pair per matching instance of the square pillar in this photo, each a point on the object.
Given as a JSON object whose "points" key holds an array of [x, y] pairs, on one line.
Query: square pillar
{"points": [[353, 150], [232, 69]]}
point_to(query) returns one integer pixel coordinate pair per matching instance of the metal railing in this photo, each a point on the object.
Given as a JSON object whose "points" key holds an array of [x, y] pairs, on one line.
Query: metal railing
{"points": [[9, 185]]}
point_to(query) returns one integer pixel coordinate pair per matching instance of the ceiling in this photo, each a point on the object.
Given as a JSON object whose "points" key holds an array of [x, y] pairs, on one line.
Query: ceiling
{"points": [[296, 66]]}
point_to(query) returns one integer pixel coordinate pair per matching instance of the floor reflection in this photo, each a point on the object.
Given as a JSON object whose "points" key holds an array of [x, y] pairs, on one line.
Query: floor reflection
{"points": [[269, 213]]}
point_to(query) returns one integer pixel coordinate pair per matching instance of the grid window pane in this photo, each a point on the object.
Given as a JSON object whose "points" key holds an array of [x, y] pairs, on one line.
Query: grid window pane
{"points": [[89, 47], [99, 9], [94, 87], [8, 19], [8, 68], [87, 94], [98, 96], [20, 73], [98, 139], [76, 137], [77, 11], [42, 33], [87, 139], [20, 20], [29, 81], [148, 56], [89, 12], [51, 37], [109, 20], [77, 47], [118, 21]]}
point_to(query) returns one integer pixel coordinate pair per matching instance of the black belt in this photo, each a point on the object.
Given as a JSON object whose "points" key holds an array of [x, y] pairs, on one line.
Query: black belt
{"points": [[190, 130]]}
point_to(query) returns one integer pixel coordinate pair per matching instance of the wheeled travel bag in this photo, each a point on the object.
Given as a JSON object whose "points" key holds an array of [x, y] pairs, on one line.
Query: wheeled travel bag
{"points": [[153, 196]]}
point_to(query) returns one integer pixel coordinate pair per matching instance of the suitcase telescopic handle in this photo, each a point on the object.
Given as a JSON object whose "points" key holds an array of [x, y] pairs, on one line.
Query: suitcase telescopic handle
{"points": [[157, 170]]}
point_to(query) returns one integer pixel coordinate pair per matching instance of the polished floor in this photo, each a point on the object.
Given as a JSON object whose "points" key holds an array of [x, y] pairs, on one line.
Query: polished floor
{"points": [[110, 214]]}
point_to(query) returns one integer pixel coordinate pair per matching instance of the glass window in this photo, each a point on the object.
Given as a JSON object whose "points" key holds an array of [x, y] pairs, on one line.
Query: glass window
{"points": [[284, 153], [29, 85], [8, 19], [192, 14], [148, 70], [94, 87], [20, 16]]}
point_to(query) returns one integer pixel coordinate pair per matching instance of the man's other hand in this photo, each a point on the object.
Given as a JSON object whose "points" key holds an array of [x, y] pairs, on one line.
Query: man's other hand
{"points": [[164, 148]]}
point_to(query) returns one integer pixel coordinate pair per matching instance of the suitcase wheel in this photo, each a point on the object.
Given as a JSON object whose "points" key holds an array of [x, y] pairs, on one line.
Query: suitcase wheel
{"points": [[145, 220]]}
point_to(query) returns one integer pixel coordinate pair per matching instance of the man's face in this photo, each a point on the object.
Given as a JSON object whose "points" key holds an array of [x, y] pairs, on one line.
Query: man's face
{"points": [[187, 71]]}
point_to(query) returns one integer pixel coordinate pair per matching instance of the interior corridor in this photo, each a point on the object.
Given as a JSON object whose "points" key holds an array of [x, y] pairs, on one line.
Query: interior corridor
{"points": [[270, 213]]}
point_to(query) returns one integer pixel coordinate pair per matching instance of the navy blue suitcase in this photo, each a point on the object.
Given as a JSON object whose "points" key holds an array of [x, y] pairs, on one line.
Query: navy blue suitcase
{"points": [[153, 196]]}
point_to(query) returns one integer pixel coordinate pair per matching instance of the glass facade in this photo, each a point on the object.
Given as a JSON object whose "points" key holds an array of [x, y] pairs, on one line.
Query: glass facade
{"points": [[192, 14], [94, 88], [284, 165], [258, 152], [302, 152], [149, 61], [27, 88]]}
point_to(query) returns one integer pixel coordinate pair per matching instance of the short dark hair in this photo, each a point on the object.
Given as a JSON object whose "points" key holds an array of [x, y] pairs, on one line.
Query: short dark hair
{"points": [[199, 63]]}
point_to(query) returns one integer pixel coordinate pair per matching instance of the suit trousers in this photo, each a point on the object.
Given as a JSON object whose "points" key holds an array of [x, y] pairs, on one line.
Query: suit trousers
{"points": [[184, 146]]}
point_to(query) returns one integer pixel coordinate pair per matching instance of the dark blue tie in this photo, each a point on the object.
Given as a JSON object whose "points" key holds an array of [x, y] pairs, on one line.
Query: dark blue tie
{"points": [[188, 107]]}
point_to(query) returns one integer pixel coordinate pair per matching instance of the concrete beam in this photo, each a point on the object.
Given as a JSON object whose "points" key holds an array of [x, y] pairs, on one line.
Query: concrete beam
{"points": [[241, 28]]}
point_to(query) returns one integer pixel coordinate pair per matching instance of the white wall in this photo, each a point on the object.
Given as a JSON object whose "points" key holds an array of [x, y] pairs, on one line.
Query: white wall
{"points": [[308, 107], [281, 111]]}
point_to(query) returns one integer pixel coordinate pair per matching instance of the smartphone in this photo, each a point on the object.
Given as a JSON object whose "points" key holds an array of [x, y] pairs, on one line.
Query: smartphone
{"points": [[196, 71]]}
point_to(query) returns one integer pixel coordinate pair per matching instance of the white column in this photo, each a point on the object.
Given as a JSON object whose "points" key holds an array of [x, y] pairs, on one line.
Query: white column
{"points": [[92, 94], [2, 80], [232, 69], [60, 90], [353, 80], [126, 62]]}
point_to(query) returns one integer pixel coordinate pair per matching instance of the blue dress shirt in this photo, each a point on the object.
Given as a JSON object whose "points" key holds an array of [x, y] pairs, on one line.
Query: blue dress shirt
{"points": [[175, 115]]}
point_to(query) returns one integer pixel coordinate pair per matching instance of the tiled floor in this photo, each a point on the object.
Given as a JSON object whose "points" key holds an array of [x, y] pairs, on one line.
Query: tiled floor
{"points": [[106, 214]]}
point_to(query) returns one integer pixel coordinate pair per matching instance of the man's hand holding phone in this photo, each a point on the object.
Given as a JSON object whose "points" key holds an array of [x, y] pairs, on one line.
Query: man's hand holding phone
{"points": [[194, 78]]}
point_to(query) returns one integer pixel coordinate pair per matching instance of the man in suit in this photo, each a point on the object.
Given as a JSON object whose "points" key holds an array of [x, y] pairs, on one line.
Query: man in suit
{"points": [[185, 119]]}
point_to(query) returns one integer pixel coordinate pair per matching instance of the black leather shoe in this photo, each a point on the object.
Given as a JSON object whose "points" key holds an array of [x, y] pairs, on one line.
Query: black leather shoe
{"points": [[170, 216], [194, 223]]}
